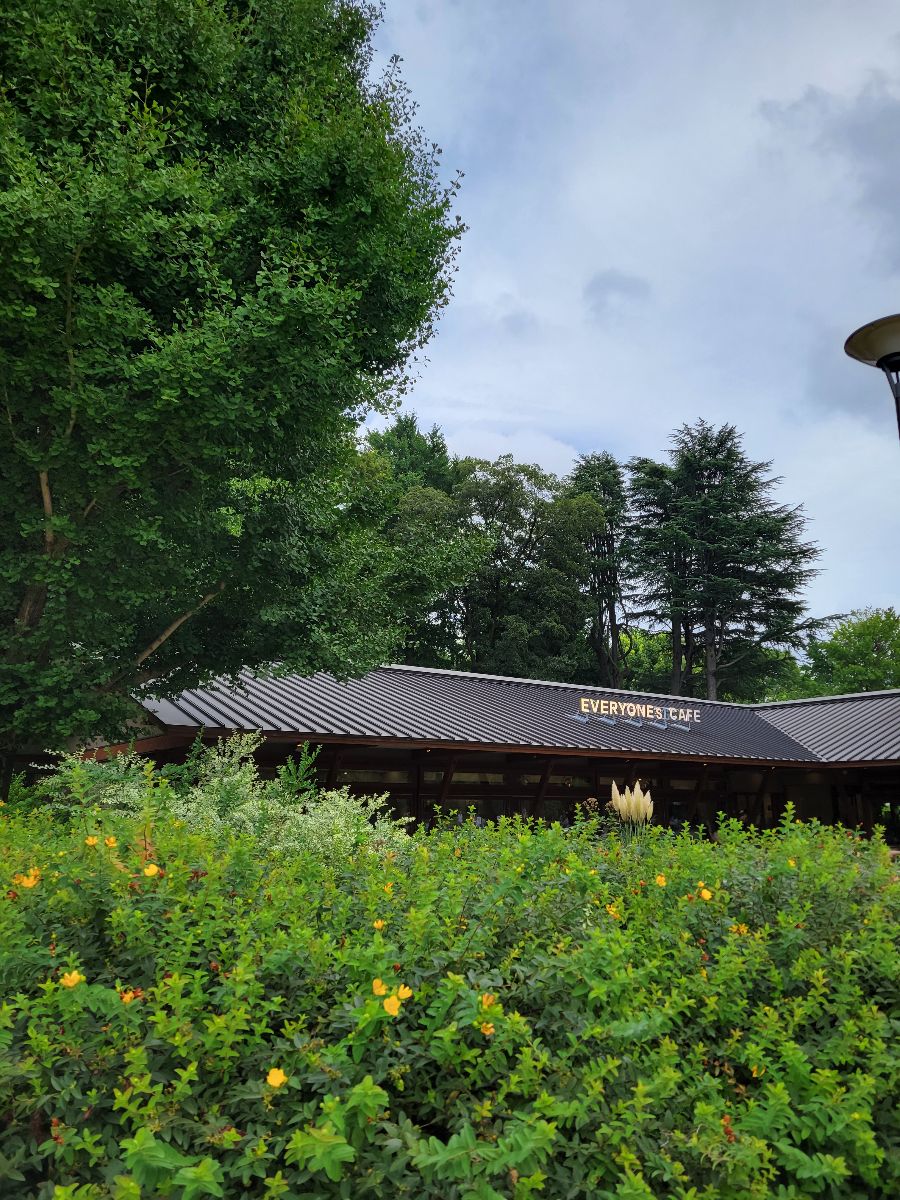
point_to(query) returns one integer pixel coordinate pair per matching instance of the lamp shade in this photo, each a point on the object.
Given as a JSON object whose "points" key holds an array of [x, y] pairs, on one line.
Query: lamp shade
{"points": [[876, 341]]}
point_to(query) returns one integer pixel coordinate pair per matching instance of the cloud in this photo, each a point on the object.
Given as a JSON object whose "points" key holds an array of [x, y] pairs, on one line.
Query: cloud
{"points": [[608, 291], [862, 129], [655, 238]]}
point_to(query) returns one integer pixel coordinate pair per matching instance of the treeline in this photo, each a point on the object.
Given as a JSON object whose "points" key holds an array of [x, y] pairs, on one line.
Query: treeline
{"points": [[683, 575]]}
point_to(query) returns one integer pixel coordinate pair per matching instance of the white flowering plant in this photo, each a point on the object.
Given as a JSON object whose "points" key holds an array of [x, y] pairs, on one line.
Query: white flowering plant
{"points": [[633, 805], [218, 791]]}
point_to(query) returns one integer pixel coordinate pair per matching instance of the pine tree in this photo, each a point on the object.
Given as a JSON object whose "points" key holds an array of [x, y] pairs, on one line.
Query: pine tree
{"points": [[724, 565]]}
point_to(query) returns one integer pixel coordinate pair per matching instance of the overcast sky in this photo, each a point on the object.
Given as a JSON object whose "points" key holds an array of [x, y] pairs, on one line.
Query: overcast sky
{"points": [[676, 209]]}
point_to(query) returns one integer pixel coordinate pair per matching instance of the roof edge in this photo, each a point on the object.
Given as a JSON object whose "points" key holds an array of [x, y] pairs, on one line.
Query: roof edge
{"points": [[593, 687], [824, 699]]}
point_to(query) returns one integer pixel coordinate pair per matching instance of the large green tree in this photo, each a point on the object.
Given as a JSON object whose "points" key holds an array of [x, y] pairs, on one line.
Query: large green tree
{"points": [[438, 538], [724, 563], [219, 244], [600, 479], [859, 652]]}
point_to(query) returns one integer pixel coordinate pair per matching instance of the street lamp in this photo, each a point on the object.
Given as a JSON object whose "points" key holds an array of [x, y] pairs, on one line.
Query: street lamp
{"points": [[878, 345]]}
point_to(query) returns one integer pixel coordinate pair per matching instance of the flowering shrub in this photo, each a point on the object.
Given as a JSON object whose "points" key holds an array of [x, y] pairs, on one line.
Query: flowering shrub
{"points": [[507, 1011], [219, 792]]}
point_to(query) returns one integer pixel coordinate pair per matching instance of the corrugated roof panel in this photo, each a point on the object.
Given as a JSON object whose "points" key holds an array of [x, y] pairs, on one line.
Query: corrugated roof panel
{"points": [[860, 728], [451, 706], [422, 704]]}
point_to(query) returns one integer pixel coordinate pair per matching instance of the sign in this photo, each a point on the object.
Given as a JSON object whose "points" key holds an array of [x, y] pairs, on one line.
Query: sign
{"points": [[589, 705]]}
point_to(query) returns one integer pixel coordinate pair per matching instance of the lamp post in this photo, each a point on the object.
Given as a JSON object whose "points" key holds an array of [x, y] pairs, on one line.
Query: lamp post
{"points": [[878, 345]]}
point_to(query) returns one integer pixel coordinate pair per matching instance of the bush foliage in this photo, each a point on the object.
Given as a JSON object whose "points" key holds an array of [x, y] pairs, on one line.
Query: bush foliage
{"points": [[506, 1011], [218, 790]]}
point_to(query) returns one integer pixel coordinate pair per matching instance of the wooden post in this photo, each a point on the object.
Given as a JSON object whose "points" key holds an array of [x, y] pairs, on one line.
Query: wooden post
{"points": [[537, 805], [758, 814], [447, 780], [331, 777], [417, 807]]}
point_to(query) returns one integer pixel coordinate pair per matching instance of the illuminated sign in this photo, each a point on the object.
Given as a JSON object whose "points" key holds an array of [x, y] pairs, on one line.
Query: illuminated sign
{"points": [[631, 709]]}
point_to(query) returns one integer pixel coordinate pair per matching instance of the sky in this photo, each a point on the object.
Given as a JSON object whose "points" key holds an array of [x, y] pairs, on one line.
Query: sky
{"points": [[676, 209]]}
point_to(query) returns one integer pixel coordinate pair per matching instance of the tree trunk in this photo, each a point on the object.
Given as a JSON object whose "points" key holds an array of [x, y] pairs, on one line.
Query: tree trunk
{"points": [[614, 648], [676, 655], [712, 665], [7, 770]]}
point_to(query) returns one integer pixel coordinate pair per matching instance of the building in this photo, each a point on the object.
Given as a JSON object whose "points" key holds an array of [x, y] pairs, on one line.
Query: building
{"points": [[436, 739]]}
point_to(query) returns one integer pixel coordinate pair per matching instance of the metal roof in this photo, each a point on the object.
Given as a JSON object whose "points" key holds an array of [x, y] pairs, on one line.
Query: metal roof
{"points": [[422, 705], [861, 728]]}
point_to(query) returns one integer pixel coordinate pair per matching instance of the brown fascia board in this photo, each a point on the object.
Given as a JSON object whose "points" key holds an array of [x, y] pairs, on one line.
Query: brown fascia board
{"points": [[173, 740], [163, 741]]}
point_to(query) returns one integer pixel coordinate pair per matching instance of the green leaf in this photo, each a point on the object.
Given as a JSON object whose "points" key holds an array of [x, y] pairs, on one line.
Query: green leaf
{"points": [[204, 1179], [320, 1148]]}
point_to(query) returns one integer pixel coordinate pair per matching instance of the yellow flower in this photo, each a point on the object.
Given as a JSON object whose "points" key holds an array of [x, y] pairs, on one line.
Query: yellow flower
{"points": [[487, 1029], [487, 999], [276, 1078], [613, 911], [757, 1072], [127, 996], [379, 987], [700, 883], [740, 928], [91, 841], [71, 979], [705, 894], [151, 869], [457, 853], [111, 842], [389, 887], [391, 1006], [379, 924], [404, 992], [792, 862], [660, 881], [29, 879], [703, 972]]}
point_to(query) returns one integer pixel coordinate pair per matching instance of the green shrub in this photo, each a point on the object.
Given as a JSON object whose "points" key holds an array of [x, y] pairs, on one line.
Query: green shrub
{"points": [[218, 791], [507, 1011]]}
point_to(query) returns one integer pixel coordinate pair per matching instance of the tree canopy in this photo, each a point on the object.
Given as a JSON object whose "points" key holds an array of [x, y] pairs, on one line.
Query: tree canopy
{"points": [[683, 575], [859, 652], [725, 565], [219, 245]]}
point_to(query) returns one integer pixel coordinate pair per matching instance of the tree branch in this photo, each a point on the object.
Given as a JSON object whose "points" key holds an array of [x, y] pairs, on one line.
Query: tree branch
{"points": [[47, 502], [70, 346], [176, 624]]}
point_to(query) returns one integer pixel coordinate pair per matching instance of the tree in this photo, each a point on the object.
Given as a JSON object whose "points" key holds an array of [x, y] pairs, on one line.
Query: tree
{"points": [[861, 653], [725, 565], [600, 478], [416, 458], [660, 548], [219, 245], [518, 606]]}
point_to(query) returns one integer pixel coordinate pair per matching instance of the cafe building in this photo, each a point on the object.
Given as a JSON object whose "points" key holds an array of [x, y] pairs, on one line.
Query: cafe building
{"points": [[438, 740]]}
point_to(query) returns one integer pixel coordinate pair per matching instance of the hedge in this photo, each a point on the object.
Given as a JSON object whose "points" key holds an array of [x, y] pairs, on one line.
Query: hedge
{"points": [[506, 1011]]}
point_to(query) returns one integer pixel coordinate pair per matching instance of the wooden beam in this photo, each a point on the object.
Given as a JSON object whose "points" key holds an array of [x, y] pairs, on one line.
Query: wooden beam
{"points": [[164, 741], [540, 751]]}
